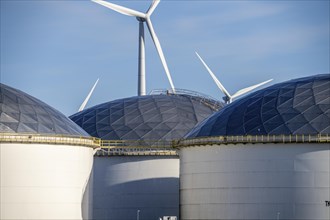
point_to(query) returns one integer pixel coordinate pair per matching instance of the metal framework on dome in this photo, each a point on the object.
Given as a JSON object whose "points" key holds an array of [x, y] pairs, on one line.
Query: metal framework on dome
{"points": [[205, 99], [23, 113], [152, 117], [295, 107]]}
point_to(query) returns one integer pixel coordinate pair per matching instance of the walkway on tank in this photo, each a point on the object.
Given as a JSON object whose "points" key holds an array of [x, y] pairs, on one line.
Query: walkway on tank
{"points": [[149, 147], [255, 139], [30, 138], [152, 148], [137, 148]]}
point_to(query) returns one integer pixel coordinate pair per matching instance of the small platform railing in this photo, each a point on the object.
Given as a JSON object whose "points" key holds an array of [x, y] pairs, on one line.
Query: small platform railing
{"points": [[202, 98]]}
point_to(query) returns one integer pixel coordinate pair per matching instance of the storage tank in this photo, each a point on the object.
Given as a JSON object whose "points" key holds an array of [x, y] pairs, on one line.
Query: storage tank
{"points": [[45, 160], [141, 180], [265, 156]]}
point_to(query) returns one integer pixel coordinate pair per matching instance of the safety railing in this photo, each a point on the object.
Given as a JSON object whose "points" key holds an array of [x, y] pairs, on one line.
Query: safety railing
{"points": [[49, 139], [155, 147], [137, 151], [136, 148], [205, 99], [254, 139], [137, 143]]}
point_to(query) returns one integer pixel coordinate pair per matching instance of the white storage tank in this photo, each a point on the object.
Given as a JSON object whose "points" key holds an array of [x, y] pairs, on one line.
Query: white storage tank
{"points": [[265, 156], [131, 187], [45, 160], [140, 183]]}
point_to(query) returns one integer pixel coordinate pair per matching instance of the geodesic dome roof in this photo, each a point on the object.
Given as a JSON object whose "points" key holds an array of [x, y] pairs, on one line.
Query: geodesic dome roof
{"points": [[299, 106], [151, 117], [22, 113]]}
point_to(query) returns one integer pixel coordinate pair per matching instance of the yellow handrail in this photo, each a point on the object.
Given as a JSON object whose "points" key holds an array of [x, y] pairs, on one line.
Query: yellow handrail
{"points": [[317, 138], [49, 139], [156, 144]]}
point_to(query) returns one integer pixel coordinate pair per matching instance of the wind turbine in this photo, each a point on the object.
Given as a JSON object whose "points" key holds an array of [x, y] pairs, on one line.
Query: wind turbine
{"points": [[82, 107], [229, 98], [142, 18]]}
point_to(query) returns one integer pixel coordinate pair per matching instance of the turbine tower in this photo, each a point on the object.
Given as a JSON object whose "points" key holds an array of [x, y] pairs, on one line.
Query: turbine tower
{"points": [[229, 98], [142, 18]]}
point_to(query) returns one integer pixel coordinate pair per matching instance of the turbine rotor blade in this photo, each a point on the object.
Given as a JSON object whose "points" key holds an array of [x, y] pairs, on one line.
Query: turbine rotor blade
{"points": [[248, 89], [82, 107], [220, 86], [121, 9], [160, 52], [152, 7]]}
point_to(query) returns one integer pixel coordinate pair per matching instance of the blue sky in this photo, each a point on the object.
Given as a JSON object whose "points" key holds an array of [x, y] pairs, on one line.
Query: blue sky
{"points": [[55, 50]]}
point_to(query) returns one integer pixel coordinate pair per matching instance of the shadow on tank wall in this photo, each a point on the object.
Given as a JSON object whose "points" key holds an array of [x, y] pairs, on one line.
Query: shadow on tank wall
{"points": [[131, 187]]}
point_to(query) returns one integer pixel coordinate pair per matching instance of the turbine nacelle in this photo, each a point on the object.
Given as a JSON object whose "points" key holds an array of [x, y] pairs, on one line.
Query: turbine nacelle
{"points": [[227, 99], [140, 19]]}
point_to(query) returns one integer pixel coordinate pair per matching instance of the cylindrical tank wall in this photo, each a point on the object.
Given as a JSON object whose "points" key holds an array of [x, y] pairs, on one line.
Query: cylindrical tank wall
{"points": [[261, 181], [40, 181], [131, 187], [87, 202]]}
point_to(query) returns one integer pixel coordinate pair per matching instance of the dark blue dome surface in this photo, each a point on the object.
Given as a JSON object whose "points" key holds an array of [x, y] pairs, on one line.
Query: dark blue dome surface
{"points": [[151, 117], [299, 106], [22, 113]]}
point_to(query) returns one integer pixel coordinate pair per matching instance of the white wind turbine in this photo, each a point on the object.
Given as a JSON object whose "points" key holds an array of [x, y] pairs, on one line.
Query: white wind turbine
{"points": [[142, 17], [82, 107], [229, 98]]}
